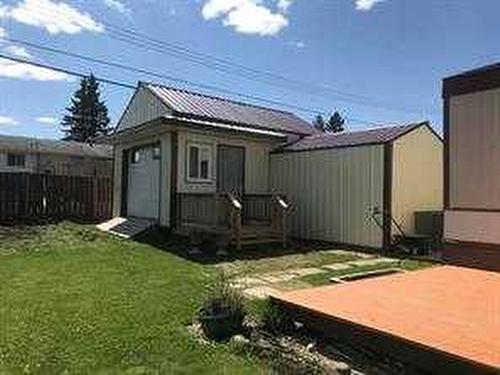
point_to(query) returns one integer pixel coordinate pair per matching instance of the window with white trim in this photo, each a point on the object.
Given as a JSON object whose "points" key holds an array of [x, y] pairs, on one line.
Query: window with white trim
{"points": [[199, 162]]}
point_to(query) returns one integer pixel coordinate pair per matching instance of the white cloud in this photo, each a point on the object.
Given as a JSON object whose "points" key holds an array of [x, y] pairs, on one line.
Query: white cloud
{"points": [[366, 5], [18, 51], [16, 70], [47, 120], [7, 121], [284, 5], [3, 33], [55, 17], [245, 16], [119, 6]]}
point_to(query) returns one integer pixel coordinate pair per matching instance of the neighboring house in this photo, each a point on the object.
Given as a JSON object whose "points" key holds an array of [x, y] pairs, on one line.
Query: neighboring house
{"points": [[335, 182], [201, 163], [472, 167], [47, 156]]}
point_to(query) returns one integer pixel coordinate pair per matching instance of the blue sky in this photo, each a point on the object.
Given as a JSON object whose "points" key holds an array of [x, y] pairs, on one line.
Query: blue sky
{"points": [[381, 60]]}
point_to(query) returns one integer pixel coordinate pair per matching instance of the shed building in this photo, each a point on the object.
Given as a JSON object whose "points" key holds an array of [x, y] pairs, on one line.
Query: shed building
{"points": [[338, 181]]}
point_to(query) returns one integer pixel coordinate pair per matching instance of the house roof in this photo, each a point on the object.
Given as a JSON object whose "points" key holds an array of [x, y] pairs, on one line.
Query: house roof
{"points": [[52, 146], [350, 139], [187, 104], [480, 79]]}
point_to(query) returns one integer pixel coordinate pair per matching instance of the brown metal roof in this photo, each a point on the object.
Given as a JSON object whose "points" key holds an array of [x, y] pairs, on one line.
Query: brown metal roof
{"points": [[349, 139], [188, 104], [53, 146]]}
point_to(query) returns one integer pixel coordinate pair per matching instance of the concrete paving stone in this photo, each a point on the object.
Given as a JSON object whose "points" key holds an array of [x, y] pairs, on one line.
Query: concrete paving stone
{"points": [[261, 292], [372, 262], [337, 266], [278, 277], [246, 282], [307, 271]]}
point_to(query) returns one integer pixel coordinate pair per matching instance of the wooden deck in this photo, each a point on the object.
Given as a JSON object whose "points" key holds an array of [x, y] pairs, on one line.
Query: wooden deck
{"points": [[444, 319], [247, 220]]}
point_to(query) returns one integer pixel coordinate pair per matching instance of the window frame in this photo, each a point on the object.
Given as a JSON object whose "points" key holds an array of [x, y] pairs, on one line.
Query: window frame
{"points": [[13, 156], [203, 149]]}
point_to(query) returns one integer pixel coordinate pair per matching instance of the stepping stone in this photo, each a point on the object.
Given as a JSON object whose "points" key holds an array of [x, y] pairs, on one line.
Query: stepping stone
{"points": [[279, 277], [372, 262], [337, 266], [261, 292], [246, 282], [307, 271]]}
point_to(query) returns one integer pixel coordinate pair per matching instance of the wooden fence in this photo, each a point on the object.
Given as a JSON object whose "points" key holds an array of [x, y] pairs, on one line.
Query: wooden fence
{"points": [[29, 198]]}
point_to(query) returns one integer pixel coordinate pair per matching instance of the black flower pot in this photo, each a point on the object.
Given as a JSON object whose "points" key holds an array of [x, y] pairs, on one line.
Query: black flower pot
{"points": [[220, 325]]}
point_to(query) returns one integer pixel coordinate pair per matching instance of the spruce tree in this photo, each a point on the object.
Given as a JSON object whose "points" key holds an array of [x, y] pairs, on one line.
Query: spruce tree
{"points": [[319, 123], [87, 116], [335, 123]]}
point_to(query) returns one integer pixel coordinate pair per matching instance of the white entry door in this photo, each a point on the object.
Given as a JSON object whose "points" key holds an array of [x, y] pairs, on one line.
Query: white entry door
{"points": [[144, 182]]}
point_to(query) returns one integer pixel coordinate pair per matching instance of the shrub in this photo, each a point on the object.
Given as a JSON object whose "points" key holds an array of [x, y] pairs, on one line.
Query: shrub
{"points": [[274, 318], [223, 312]]}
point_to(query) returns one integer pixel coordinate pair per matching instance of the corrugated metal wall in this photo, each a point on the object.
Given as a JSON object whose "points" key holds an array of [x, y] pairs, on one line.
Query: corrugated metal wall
{"points": [[333, 192]]}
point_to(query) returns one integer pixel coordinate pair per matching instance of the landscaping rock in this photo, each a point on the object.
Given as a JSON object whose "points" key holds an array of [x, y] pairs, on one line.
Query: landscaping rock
{"points": [[343, 368], [239, 340]]}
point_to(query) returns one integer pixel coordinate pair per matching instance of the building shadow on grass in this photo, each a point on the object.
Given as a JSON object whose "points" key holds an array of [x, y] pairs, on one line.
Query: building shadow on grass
{"points": [[165, 240]]}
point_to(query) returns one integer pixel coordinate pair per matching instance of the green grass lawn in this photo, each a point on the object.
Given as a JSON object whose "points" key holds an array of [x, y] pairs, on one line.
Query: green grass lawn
{"points": [[276, 261], [77, 301]]}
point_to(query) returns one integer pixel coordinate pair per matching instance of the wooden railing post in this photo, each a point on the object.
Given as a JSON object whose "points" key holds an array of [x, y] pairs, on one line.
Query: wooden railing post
{"points": [[236, 220], [280, 220]]}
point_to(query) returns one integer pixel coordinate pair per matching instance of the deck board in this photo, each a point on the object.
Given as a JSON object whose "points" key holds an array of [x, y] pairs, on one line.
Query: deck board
{"points": [[448, 309]]}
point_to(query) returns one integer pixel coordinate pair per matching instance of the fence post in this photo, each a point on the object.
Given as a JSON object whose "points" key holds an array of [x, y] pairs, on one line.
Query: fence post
{"points": [[95, 198]]}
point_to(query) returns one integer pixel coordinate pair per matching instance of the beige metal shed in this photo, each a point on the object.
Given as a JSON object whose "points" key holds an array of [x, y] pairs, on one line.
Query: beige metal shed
{"points": [[336, 181]]}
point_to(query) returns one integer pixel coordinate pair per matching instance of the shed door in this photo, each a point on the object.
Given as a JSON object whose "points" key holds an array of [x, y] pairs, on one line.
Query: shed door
{"points": [[144, 182], [230, 169]]}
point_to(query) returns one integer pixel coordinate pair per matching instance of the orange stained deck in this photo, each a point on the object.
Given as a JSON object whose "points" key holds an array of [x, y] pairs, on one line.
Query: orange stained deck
{"points": [[450, 309]]}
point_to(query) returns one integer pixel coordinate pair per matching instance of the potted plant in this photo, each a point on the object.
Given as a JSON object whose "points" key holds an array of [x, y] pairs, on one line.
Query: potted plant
{"points": [[223, 312]]}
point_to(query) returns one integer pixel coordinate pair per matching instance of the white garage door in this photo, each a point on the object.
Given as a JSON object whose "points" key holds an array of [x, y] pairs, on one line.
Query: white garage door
{"points": [[144, 182]]}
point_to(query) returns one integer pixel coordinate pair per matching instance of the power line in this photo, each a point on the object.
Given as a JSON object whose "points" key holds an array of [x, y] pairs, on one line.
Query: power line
{"points": [[82, 75], [146, 42], [133, 87], [65, 71]]}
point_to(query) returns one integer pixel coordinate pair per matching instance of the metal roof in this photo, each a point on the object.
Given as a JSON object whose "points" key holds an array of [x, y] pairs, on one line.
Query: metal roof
{"points": [[53, 146], [349, 139], [188, 104]]}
